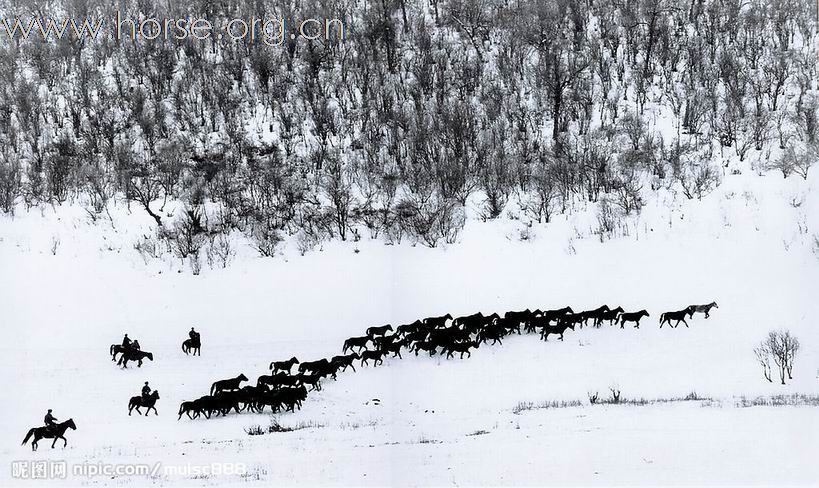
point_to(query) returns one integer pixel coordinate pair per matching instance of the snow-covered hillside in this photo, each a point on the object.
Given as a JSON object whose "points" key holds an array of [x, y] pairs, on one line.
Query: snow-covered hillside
{"points": [[71, 288]]}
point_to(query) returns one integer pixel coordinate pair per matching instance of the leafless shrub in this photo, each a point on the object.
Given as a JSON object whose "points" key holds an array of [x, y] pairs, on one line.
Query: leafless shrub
{"points": [[609, 220], [698, 180], [187, 234], [781, 348], [627, 190], [10, 181], [763, 357], [55, 244], [796, 158], [265, 239], [431, 219], [220, 250]]}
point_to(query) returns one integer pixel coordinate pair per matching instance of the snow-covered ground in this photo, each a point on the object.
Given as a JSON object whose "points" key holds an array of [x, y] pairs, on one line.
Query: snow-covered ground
{"points": [[748, 246]]}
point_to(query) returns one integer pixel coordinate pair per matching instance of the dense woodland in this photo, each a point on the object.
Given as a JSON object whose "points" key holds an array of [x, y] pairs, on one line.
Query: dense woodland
{"points": [[424, 106]]}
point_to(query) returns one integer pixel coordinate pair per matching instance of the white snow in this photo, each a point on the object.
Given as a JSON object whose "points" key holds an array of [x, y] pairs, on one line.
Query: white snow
{"points": [[744, 246]]}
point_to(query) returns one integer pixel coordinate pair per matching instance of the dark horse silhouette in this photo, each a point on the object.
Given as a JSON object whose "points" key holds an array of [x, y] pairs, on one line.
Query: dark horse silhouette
{"points": [[231, 384], [374, 331], [283, 365], [679, 316], [149, 403], [192, 346], [610, 315], [632, 317], [560, 328], [58, 432], [134, 355], [706, 309], [355, 342], [120, 349]]}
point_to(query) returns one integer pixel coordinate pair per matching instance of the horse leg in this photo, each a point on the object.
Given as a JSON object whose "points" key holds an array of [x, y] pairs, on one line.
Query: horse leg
{"points": [[65, 442], [683, 321], [54, 441]]}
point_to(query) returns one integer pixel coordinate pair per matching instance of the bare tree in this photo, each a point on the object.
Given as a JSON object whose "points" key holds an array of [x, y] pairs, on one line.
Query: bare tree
{"points": [[763, 356], [782, 347]]}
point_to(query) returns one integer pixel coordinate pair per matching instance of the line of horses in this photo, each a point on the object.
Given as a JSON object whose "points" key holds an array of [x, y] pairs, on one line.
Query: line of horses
{"points": [[284, 391]]}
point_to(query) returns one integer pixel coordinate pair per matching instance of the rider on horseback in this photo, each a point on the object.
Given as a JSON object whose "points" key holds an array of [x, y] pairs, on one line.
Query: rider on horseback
{"points": [[146, 391], [193, 335], [50, 422], [126, 342]]}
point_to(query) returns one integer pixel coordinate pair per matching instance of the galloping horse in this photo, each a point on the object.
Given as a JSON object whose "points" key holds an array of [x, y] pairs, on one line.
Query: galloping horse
{"points": [[148, 403], [706, 309], [46, 433]]}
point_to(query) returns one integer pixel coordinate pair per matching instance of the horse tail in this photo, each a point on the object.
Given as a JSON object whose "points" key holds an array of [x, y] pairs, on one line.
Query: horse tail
{"points": [[111, 349], [662, 317], [28, 436], [184, 349]]}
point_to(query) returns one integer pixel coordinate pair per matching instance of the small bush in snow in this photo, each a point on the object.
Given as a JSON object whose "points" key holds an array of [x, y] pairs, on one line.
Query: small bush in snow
{"points": [[780, 347], [794, 400], [55, 244], [698, 180], [265, 239], [220, 251], [525, 406]]}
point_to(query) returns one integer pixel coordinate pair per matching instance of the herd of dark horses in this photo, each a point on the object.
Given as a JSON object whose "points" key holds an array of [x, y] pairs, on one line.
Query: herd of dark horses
{"points": [[282, 390]]}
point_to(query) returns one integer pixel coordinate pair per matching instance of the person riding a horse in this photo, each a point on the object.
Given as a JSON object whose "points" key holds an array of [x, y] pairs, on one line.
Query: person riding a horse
{"points": [[50, 422], [126, 342], [193, 335], [146, 391]]}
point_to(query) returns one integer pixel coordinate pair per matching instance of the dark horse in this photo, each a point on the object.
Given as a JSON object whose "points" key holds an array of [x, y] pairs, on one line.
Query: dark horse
{"points": [[356, 342], [148, 403], [374, 331], [632, 317], [679, 316], [560, 328], [191, 345], [231, 384], [706, 309], [46, 433], [120, 349], [134, 355], [283, 365]]}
